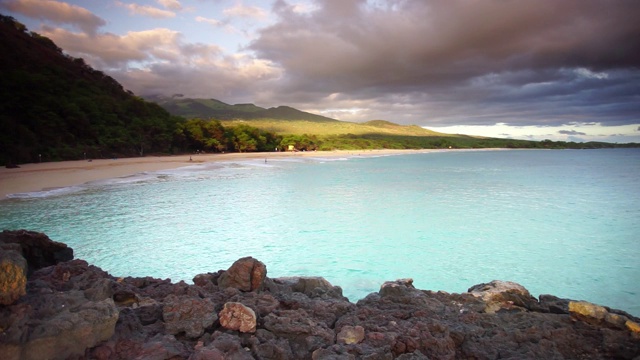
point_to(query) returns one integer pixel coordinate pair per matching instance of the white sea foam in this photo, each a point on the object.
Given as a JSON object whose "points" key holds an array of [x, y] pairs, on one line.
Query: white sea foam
{"points": [[48, 192]]}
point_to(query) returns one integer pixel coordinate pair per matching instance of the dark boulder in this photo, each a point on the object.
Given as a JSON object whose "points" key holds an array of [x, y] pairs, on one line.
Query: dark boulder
{"points": [[37, 248], [67, 310], [246, 274]]}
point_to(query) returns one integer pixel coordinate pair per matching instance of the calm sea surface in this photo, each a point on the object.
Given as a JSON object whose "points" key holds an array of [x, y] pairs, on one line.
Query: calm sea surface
{"points": [[563, 222]]}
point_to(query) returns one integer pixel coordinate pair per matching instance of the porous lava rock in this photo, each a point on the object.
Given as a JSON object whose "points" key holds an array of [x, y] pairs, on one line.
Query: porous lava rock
{"points": [[13, 274], [246, 274], [67, 309], [74, 310], [508, 295], [238, 317], [188, 314], [37, 248]]}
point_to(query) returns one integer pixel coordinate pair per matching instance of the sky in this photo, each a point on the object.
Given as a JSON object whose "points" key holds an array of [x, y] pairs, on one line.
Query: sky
{"points": [[546, 69]]}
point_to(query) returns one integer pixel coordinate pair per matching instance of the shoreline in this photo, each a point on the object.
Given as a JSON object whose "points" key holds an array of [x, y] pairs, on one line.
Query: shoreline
{"points": [[34, 177]]}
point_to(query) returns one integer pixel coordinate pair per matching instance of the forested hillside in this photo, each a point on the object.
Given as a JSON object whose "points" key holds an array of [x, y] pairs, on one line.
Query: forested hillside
{"points": [[53, 106]]}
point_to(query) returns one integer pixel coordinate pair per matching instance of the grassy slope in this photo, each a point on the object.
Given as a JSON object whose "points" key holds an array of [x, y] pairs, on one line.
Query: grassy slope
{"points": [[380, 127]]}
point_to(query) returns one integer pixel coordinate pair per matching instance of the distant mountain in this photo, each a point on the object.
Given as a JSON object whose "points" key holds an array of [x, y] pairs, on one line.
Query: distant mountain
{"points": [[216, 109], [56, 107]]}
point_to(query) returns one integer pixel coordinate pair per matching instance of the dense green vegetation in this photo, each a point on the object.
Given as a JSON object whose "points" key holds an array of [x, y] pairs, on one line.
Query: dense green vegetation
{"points": [[56, 107], [210, 136]]}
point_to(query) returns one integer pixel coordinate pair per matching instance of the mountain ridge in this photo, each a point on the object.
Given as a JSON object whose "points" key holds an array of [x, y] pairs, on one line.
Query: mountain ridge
{"points": [[207, 108]]}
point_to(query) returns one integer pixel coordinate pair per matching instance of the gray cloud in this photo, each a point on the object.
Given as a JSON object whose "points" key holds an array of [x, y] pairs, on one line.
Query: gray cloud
{"points": [[425, 62], [465, 62], [571, 132]]}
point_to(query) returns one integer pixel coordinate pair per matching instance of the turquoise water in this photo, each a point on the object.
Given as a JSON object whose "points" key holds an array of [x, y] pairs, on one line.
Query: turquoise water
{"points": [[558, 222]]}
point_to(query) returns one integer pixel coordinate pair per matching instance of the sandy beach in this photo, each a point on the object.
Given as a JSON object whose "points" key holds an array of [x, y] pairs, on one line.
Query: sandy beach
{"points": [[51, 175]]}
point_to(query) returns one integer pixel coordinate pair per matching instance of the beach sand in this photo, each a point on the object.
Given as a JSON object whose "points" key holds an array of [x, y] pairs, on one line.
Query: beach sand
{"points": [[51, 175]]}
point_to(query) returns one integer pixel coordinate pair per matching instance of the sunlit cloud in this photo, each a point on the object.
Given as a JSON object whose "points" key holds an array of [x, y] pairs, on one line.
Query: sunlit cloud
{"points": [[56, 12], [241, 10], [146, 10], [578, 132], [213, 22], [171, 4]]}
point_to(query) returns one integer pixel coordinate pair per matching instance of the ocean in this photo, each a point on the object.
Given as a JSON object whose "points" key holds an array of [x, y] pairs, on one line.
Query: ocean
{"points": [[561, 222]]}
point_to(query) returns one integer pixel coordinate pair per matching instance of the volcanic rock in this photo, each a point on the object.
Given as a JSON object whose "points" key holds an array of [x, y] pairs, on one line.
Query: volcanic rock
{"points": [[236, 316], [188, 314], [13, 274], [37, 248], [63, 313], [68, 311], [506, 295], [350, 335], [246, 274]]}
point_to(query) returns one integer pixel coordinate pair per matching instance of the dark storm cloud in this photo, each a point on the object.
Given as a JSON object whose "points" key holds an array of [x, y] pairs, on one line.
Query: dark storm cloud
{"points": [[473, 62]]}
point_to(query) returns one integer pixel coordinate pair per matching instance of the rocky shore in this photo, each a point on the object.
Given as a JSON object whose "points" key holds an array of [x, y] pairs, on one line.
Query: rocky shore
{"points": [[53, 306]]}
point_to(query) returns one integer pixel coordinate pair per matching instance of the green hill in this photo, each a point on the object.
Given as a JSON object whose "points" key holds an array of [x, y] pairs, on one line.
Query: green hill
{"points": [[283, 120], [216, 109], [56, 107]]}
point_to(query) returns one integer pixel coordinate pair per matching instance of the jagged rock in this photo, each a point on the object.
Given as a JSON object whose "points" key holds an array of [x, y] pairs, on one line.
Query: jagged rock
{"points": [[301, 329], [350, 335], [312, 286], [261, 303], [227, 345], [188, 314], [246, 274], [13, 274], [158, 347], [69, 312], [398, 287], [205, 280], [633, 326], [507, 295], [596, 314], [66, 310], [587, 310], [148, 287], [62, 325], [332, 354], [236, 316], [125, 297], [416, 355], [554, 304], [37, 248]]}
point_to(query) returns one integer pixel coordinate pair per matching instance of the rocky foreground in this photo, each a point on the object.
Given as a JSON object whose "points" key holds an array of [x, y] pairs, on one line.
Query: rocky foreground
{"points": [[55, 307]]}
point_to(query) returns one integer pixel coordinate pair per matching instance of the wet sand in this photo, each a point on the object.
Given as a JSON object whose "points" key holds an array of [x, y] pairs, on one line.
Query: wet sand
{"points": [[51, 175]]}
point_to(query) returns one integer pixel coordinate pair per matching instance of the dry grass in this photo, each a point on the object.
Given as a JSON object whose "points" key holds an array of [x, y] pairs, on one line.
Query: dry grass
{"points": [[300, 127]]}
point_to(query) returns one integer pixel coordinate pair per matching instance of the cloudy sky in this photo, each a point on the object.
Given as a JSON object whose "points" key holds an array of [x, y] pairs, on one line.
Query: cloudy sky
{"points": [[543, 69]]}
